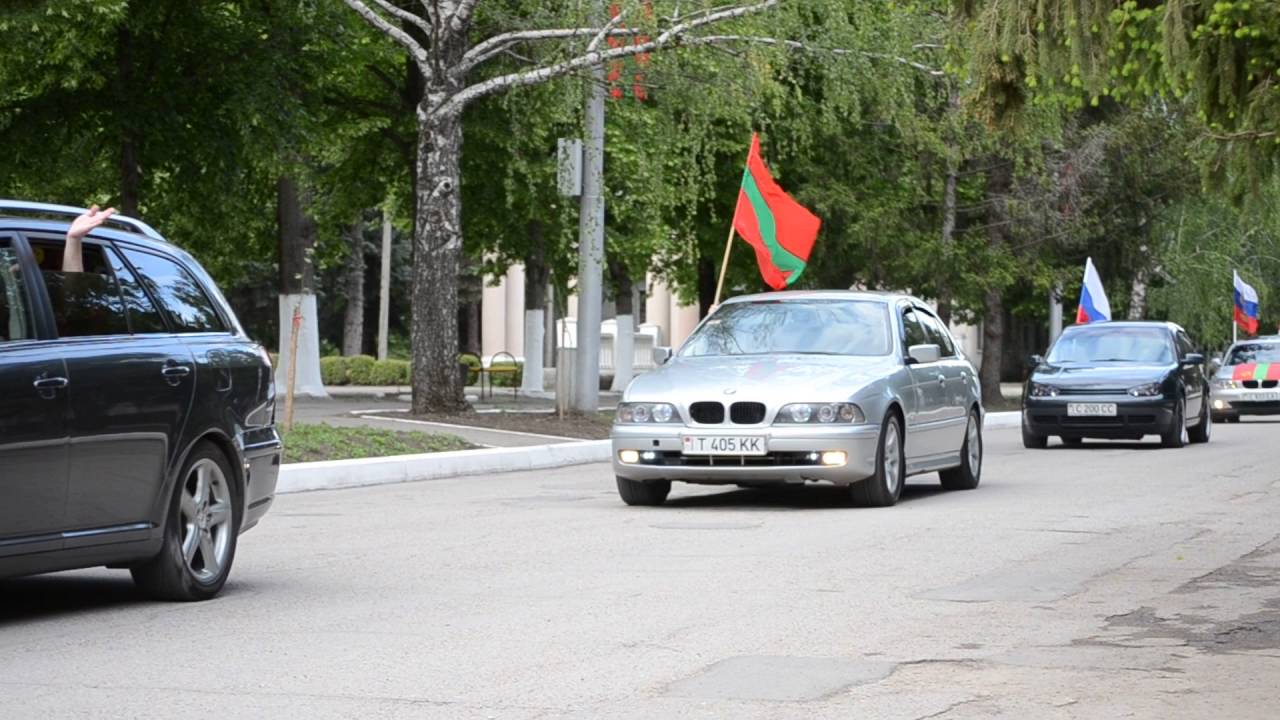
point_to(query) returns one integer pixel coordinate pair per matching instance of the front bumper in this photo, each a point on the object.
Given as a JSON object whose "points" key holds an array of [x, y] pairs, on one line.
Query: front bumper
{"points": [[790, 460], [1135, 417], [1245, 401]]}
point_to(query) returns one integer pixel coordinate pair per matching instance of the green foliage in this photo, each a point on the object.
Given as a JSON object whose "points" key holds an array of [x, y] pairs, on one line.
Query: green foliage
{"points": [[333, 370], [389, 372], [319, 442], [360, 370], [474, 365], [505, 373]]}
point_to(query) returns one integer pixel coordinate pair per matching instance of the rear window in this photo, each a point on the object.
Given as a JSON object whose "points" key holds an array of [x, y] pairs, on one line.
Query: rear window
{"points": [[85, 303], [177, 291]]}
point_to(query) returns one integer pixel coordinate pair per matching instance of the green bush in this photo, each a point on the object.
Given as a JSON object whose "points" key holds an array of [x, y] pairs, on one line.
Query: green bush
{"points": [[472, 362], [360, 370], [390, 372], [333, 370]]}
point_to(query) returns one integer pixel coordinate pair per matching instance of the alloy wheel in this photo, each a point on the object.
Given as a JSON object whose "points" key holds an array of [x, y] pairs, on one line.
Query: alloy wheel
{"points": [[205, 515], [892, 457]]}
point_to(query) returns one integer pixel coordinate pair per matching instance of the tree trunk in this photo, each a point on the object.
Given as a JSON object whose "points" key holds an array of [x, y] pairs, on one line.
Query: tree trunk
{"points": [[948, 240], [297, 291], [624, 319], [707, 285], [437, 386], [130, 137], [1138, 296], [353, 321], [536, 275], [999, 183]]}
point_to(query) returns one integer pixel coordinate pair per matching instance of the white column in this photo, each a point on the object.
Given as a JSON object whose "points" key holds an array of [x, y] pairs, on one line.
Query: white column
{"points": [[684, 318], [657, 308], [514, 343], [493, 318]]}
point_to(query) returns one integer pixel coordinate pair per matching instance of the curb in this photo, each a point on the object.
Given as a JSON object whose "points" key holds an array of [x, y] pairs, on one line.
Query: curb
{"points": [[1002, 420], [336, 474]]}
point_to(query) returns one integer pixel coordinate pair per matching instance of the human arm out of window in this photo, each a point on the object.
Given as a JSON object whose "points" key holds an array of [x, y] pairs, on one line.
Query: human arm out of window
{"points": [[72, 254]]}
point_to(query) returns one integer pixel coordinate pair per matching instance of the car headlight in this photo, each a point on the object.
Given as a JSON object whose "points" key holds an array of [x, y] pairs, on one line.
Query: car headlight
{"points": [[1148, 390], [1225, 384], [642, 413], [820, 414], [1042, 390]]}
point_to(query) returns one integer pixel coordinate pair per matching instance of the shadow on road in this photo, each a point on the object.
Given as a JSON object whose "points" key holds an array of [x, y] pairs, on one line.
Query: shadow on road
{"points": [[45, 596], [788, 498]]}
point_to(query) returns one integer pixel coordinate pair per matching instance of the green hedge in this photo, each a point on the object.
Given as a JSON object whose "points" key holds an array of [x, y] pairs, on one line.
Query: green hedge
{"points": [[363, 370]]}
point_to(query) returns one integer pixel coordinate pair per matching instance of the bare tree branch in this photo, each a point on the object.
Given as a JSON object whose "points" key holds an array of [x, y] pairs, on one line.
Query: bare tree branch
{"points": [[794, 45], [494, 46], [673, 36], [404, 15], [614, 22], [416, 51]]}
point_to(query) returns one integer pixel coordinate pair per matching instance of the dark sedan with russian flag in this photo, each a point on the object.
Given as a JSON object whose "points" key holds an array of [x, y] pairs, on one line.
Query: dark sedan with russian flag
{"points": [[1248, 383], [1118, 380]]}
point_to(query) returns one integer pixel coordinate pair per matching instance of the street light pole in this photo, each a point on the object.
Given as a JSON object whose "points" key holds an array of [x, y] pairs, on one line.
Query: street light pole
{"points": [[586, 385]]}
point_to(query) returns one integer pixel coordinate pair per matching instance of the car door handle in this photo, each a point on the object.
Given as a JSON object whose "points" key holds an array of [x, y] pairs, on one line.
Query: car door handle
{"points": [[53, 383], [176, 371], [942, 379]]}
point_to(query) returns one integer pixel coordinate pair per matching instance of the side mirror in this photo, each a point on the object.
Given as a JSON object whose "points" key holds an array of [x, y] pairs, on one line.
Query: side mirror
{"points": [[1034, 361], [1215, 364], [1193, 359], [924, 354], [661, 355]]}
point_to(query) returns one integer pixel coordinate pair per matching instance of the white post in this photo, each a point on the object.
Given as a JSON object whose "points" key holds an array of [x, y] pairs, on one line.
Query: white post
{"points": [[384, 288], [1055, 314], [586, 386]]}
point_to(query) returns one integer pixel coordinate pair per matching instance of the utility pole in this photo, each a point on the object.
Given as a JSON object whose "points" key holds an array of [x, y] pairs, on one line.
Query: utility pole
{"points": [[1055, 313], [384, 290], [586, 385]]}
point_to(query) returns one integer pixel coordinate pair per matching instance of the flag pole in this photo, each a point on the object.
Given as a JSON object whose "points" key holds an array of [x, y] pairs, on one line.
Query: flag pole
{"points": [[724, 266]]}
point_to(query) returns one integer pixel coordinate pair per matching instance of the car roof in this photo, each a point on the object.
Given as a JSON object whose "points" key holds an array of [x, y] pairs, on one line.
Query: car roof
{"points": [[1120, 324], [787, 295]]}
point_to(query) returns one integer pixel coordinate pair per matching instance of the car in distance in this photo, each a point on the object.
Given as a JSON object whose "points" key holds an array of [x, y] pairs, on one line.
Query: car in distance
{"points": [[1248, 380], [1118, 380], [855, 389], [136, 417]]}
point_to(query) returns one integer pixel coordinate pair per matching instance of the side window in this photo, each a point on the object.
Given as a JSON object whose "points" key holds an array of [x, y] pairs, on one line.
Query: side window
{"points": [[143, 315], [1184, 345], [186, 303], [84, 303], [938, 334], [15, 315], [914, 332]]}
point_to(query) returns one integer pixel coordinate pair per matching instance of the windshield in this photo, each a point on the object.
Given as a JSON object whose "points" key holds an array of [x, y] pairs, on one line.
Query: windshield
{"points": [[1254, 353], [1114, 344], [815, 327]]}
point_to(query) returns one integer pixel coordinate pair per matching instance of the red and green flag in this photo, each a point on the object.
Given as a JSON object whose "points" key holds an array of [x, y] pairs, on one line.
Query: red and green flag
{"points": [[781, 230]]}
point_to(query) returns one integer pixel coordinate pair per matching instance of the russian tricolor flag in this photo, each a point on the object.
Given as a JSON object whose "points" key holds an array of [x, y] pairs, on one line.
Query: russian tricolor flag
{"points": [[1093, 298], [1246, 313]]}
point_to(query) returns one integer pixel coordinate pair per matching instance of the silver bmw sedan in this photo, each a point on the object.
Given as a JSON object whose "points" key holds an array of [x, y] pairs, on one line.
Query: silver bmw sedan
{"points": [[855, 389]]}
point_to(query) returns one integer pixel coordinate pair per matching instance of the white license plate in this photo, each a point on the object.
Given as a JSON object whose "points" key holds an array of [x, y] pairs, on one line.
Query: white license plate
{"points": [[1264, 396], [724, 445], [1091, 409]]}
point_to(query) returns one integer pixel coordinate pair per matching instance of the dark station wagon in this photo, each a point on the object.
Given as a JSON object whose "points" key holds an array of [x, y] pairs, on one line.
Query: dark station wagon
{"points": [[137, 420]]}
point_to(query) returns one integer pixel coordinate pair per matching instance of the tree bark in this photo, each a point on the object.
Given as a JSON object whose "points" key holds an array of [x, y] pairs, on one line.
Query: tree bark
{"points": [[297, 237], [1138, 296], [999, 183], [536, 275], [624, 319], [353, 321], [130, 137]]}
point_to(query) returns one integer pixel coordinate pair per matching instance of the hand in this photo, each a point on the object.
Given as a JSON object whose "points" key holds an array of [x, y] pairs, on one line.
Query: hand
{"points": [[88, 221]]}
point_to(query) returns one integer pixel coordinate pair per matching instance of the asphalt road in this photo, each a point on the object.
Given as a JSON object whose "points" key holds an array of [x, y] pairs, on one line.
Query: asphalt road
{"points": [[1114, 580]]}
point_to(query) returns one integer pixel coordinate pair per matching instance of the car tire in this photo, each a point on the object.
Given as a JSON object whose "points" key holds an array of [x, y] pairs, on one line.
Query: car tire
{"points": [[885, 487], [201, 527], [1176, 436], [1073, 441], [638, 492], [1203, 430], [969, 473], [1032, 441]]}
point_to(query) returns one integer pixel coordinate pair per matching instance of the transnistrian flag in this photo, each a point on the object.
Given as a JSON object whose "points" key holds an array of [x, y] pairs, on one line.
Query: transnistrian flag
{"points": [[1246, 312], [781, 230], [1093, 298]]}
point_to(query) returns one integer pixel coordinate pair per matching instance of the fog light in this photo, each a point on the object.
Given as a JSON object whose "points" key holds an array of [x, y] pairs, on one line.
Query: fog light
{"points": [[629, 457], [649, 456], [834, 458]]}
